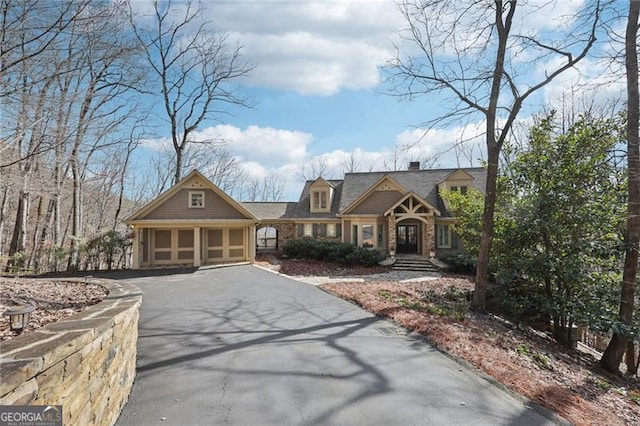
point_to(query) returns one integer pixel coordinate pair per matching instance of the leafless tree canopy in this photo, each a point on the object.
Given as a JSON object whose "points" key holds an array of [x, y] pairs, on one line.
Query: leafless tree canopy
{"points": [[194, 68], [68, 73]]}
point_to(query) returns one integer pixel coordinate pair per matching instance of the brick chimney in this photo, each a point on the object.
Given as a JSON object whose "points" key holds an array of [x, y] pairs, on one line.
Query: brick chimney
{"points": [[414, 165]]}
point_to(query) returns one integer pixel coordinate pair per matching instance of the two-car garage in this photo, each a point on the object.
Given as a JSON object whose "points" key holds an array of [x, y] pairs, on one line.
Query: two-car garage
{"points": [[158, 246], [193, 223]]}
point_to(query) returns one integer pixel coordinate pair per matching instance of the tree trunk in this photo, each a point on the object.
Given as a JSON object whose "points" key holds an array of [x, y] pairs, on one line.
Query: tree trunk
{"points": [[613, 353], [33, 260], [630, 358], [76, 230], [178, 175], [19, 230], [3, 209], [482, 271], [493, 155], [45, 233]]}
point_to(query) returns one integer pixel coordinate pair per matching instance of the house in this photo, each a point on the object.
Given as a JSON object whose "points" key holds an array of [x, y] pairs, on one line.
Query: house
{"points": [[196, 223]]}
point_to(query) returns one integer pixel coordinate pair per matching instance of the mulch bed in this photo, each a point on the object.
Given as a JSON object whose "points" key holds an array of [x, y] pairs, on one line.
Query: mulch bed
{"points": [[54, 300]]}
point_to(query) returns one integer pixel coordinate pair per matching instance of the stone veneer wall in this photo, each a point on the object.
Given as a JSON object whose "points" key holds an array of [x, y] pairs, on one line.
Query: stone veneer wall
{"points": [[286, 232], [429, 233], [86, 362]]}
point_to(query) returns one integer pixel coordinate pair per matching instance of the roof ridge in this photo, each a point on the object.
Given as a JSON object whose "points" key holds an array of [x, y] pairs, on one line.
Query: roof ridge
{"points": [[448, 169]]}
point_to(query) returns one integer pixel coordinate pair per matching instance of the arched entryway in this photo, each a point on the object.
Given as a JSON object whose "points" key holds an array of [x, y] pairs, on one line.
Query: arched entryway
{"points": [[408, 236], [266, 239], [411, 226]]}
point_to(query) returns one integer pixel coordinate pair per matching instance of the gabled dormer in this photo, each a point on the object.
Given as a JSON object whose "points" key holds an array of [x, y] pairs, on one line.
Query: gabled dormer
{"points": [[457, 181], [320, 196]]}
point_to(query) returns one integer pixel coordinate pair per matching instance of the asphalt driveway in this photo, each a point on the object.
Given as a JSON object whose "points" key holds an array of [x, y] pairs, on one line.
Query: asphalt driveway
{"points": [[243, 346]]}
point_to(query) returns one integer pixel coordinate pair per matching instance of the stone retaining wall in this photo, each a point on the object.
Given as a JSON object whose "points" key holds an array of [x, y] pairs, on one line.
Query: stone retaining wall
{"points": [[86, 362]]}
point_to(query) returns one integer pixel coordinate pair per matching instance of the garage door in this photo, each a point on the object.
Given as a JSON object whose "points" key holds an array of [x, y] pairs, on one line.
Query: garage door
{"points": [[172, 246], [225, 244]]}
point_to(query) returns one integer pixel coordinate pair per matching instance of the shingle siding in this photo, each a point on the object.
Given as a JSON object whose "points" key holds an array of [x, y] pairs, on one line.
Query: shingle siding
{"points": [[377, 203], [177, 207]]}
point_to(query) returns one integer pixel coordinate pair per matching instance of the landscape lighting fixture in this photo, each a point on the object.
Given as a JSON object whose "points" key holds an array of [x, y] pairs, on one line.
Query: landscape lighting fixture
{"points": [[19, 317]]}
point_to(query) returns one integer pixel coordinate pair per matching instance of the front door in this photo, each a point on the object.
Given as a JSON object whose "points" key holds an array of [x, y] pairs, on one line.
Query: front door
{"points": [[407, 238]]}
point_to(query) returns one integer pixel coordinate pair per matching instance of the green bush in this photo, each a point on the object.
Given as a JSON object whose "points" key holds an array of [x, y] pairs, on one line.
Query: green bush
{"points": [[348, 254], [461, 261]]}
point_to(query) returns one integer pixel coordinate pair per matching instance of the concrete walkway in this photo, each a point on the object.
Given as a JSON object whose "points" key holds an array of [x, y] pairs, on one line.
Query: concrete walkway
{"points": [[242, 346], [401, 276]]}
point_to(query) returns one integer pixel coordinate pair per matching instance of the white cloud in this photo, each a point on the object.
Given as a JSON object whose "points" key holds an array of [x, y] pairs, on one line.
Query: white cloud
{"points": [[437, 148], [592, 83], [540, 15], [158, 144], [264, 145], [312, 47], [311, 64], [255, 146]]}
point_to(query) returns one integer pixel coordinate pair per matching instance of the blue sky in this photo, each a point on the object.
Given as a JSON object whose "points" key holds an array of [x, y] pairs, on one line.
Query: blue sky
{"points": [[317, 86]]}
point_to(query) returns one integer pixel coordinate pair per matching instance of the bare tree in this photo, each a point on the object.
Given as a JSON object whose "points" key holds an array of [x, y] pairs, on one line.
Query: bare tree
{"points": [[68, 68], [270, 188], [612, 356], [195, 68], [28, 29], [314, 168], [471, 51], [350, 163]]}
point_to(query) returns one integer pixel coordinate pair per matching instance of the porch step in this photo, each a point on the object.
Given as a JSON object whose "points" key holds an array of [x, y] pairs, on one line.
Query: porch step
{"points": [[414, 264]]}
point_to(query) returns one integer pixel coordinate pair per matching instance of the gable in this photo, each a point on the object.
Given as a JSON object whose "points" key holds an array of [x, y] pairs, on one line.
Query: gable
{"points": [[413, 205], [174, 203], [457, 178], [388, 185], [377, 197], [377, 202], [321, 183], [177, 207]]}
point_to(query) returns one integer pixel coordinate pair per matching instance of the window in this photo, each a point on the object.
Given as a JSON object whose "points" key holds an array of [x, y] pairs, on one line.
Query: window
{"points": [[367, 236], [307, 230], [444, 236], [331, 229], [196, 199], [319, 200], [462, 189]]}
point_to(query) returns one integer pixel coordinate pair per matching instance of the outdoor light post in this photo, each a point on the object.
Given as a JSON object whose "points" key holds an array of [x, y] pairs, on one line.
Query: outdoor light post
{"points": [[19, 317]]}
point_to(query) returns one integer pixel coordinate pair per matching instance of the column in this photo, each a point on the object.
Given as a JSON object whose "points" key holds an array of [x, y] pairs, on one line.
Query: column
{"points": [[197, 249], [135, 248], [252, 244], [430, 235], [391, 233]]}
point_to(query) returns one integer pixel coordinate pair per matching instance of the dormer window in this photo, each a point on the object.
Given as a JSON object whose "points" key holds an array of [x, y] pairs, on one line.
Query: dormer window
{"points": [[462, 189], [196, 199], [319, 200], [320, 196]]}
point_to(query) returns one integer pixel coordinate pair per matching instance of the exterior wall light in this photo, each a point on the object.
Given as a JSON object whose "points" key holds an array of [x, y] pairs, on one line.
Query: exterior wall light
{"points": [[19, 317]]}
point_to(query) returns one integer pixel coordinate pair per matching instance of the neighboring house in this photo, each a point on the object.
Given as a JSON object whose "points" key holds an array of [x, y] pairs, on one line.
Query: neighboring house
{"points": [[396, 212]]}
